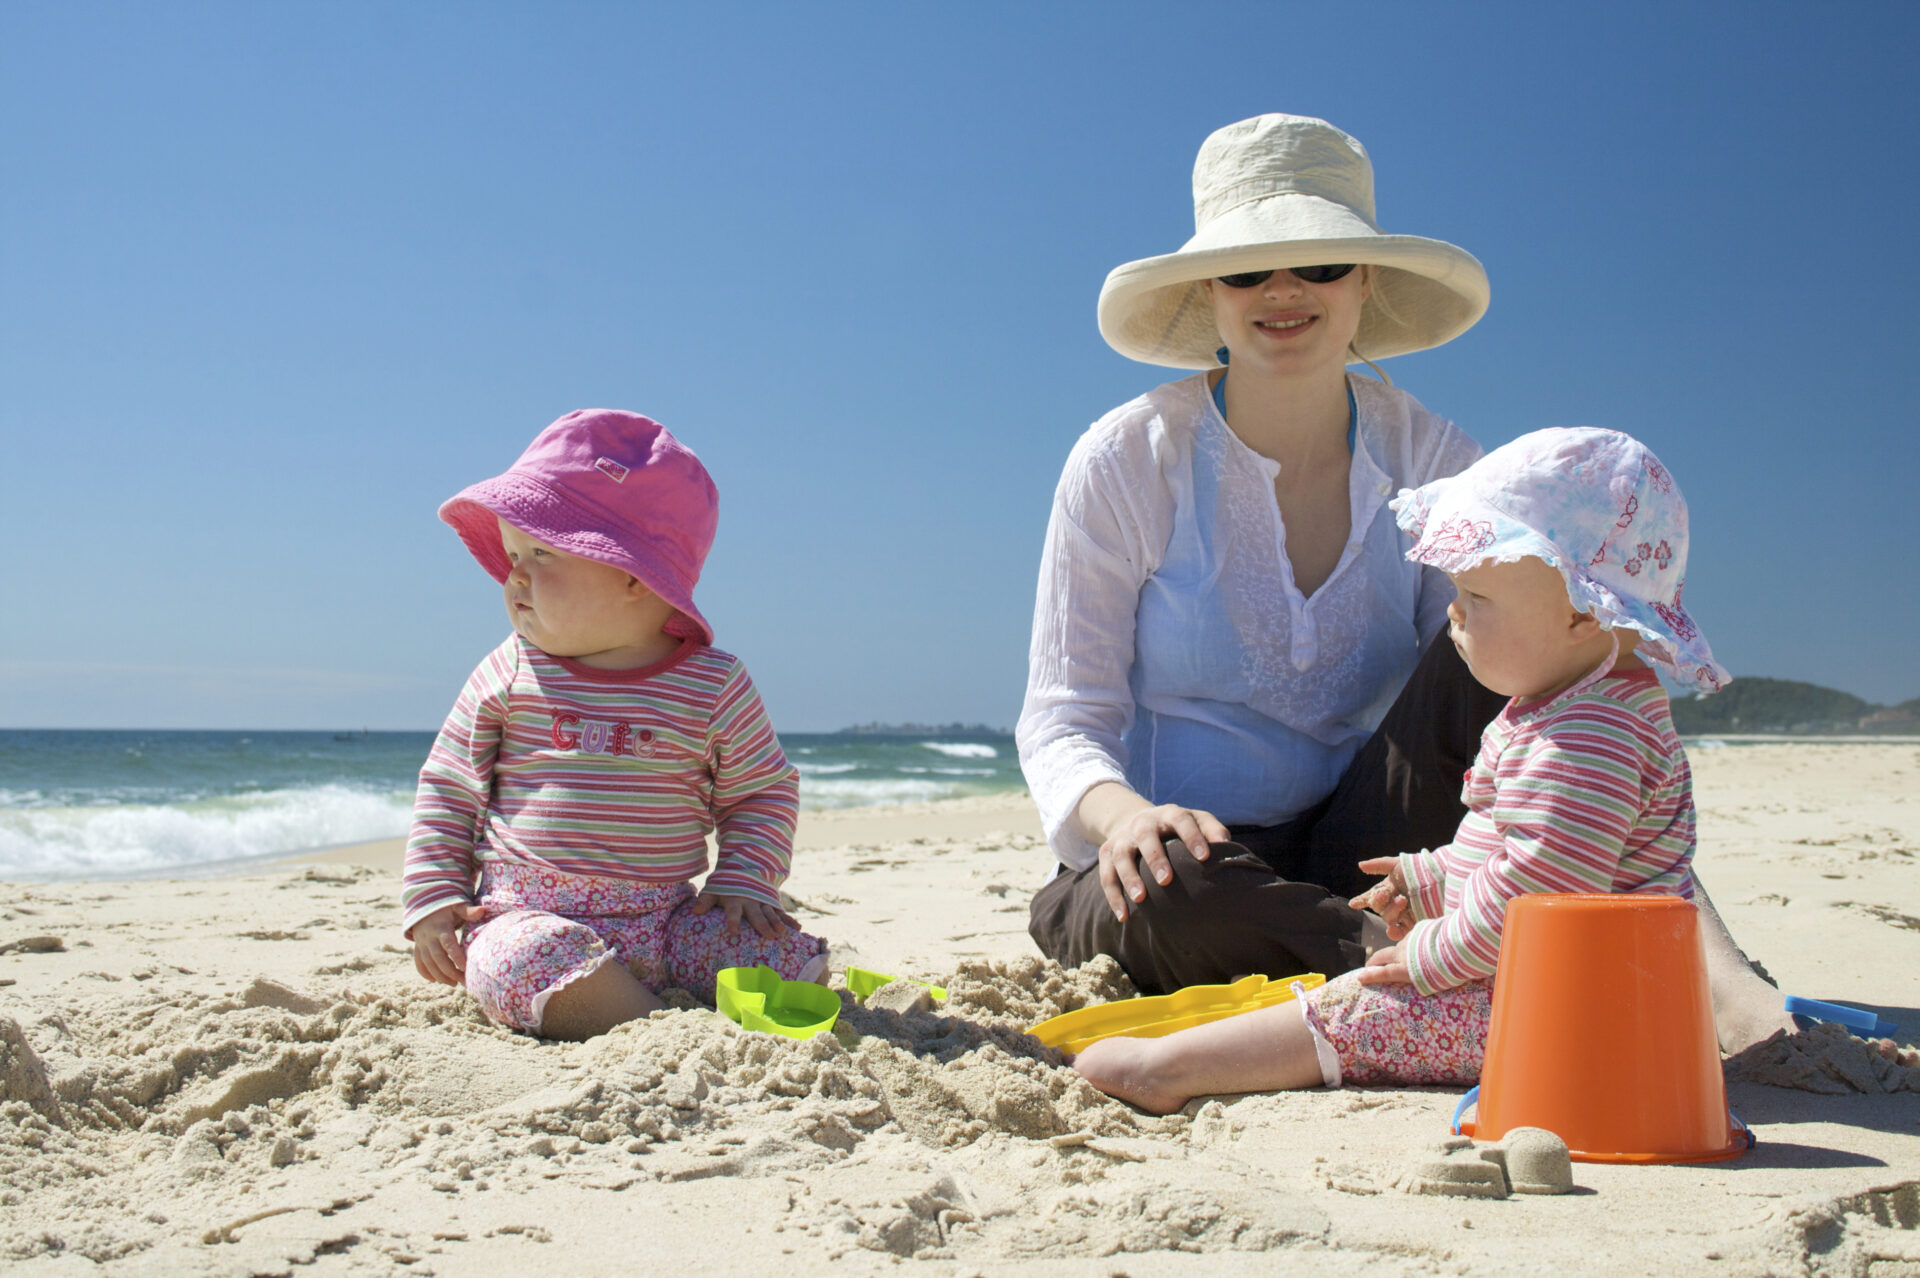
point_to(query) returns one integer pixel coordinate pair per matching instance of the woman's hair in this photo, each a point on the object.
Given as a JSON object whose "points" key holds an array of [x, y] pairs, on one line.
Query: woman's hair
{"points": [[1377, 300]]}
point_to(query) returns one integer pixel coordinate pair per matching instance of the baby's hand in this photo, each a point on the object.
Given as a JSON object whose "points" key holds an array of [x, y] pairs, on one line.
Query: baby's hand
{"points": [[1388, 897], [764, 918], [437, 952], [1385, 967]]}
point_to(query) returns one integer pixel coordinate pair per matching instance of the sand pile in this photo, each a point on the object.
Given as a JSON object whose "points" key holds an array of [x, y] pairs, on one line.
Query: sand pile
{"points": [[210, 1104], [1826, 1058]]}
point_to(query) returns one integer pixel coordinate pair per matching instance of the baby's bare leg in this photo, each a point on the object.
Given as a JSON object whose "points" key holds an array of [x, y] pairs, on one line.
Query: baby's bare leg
{"points": [[605, 997], [1745, 1008], [1268, 1049]]}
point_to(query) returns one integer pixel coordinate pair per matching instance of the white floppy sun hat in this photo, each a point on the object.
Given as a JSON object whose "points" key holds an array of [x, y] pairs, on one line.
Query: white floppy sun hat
{"points": [[1279, 191]]}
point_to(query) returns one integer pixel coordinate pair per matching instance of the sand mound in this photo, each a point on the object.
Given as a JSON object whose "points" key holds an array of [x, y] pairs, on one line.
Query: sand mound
{"points": [[210, 1098], [1826, 1058]]}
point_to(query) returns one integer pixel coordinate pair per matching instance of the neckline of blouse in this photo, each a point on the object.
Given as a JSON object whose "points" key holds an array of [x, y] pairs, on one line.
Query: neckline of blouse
{"points": [[1368, 486], [1353, 409]]}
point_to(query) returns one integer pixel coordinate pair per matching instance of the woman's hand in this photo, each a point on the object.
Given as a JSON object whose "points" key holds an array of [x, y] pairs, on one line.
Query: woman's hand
{"points": [[437, 952], [1389, 897], [1385, 967], [1139, 839], [761, 917]]}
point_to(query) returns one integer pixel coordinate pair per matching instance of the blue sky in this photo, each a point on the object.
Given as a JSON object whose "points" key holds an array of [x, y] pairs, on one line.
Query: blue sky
{"points": [[277, 279]]}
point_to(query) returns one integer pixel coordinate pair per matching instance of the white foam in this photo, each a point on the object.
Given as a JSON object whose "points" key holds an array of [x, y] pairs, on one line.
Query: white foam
{"points": [[962, 749], [860, 794], [824, 769], [129, 838]]}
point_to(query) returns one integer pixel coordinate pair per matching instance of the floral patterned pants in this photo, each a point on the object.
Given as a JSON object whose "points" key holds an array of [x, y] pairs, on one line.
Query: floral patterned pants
{"points": [[545, 929], [1396, 1034]]}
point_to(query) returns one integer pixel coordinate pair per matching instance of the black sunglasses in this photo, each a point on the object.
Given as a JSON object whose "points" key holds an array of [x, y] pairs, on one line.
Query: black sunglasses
{"points": [[1311, 274]]}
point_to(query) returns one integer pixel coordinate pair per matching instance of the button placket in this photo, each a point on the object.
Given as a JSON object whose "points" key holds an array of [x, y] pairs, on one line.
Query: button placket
{"points": [[1306, 640]]}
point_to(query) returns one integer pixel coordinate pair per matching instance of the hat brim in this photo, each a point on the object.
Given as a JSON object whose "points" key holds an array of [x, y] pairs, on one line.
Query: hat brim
{"points": [[1428, 291], [546, 515]]}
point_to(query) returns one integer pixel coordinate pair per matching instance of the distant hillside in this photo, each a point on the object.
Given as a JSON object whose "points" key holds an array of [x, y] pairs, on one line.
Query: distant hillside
{"points": [[924, 730], [1752, 704], [1748, 704]]}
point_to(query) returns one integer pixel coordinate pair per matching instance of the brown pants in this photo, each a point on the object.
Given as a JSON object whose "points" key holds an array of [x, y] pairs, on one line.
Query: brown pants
{"points": [[1275, 900]]}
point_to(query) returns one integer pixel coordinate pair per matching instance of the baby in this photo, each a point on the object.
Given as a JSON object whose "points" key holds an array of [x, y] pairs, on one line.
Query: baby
{"points": [[589, 756], [1568, 549]]}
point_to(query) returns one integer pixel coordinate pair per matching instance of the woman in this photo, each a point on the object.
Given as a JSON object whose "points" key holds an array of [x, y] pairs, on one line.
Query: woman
{"points": [[1235, 691]]}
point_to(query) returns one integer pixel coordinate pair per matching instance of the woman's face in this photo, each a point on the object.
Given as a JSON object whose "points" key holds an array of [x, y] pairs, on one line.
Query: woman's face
{"points": [[1286, 326]]}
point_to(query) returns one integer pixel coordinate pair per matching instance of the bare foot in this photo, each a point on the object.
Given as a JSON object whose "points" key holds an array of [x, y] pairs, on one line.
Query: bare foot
{"points": [[1746, 1009], [1130, 1069]]}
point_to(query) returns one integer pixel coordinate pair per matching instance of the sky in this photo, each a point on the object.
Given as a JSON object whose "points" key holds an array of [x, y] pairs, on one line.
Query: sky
{"points": [[276, 280]]}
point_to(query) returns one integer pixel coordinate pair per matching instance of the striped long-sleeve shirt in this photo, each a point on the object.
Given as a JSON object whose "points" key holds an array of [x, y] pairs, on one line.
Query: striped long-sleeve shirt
{"points": [[1588, 794], [615, 773]]}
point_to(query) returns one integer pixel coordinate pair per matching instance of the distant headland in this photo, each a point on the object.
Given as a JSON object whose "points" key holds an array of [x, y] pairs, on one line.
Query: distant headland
{"points": [[1754, 704], [1750, 703], [925, 730]]}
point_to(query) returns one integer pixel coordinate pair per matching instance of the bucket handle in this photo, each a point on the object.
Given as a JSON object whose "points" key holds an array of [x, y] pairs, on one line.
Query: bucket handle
{"points": [[1473, 1096]]}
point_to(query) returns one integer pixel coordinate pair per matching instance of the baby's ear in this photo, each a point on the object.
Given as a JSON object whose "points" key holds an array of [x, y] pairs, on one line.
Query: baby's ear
{"points": [[1583, 627]]}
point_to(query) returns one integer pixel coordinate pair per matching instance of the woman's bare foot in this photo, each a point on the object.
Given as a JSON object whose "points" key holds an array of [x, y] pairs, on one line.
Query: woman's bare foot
{"points": [[1746, 1009], [1132, 1070]]}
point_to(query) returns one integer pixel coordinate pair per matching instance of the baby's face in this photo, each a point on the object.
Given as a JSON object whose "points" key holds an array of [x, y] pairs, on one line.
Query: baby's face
{"points": [[563, 604], [1512, 623]]}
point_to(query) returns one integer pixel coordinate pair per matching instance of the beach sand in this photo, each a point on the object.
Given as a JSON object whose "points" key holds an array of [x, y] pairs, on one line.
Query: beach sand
{"points": [[244, 1076]]}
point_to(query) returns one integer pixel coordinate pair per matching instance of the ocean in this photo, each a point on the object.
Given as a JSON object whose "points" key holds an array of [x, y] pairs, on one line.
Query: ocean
{"points": [[104, 804]]}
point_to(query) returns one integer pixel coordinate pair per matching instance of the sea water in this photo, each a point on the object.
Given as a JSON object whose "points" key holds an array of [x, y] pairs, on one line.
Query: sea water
{"points": [[124, 803]]}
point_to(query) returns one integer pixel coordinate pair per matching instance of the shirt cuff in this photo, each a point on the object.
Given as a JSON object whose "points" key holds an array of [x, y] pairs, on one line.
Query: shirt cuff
{"points": [[1418, 968], [1426, 883], [431, 900], [734, 882], [1058, 808]]}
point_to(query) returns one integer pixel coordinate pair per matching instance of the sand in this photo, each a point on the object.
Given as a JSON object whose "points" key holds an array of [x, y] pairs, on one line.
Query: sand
{"points": [[244, 1076]]}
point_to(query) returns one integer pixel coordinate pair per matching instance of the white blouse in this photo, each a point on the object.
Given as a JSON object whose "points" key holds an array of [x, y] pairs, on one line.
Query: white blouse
{"points": [[1172, 651]]}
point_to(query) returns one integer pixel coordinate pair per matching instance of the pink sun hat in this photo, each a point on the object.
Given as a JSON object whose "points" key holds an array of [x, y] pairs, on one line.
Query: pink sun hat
{"points": [[605, 485]]}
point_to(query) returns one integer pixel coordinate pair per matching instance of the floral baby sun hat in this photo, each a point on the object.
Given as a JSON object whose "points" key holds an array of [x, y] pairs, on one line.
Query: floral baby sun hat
{"points": [[1595, 504]]}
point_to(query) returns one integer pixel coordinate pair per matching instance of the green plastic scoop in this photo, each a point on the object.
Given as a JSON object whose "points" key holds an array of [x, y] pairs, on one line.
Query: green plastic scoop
{"points": [[757, 998], [862, 982]]}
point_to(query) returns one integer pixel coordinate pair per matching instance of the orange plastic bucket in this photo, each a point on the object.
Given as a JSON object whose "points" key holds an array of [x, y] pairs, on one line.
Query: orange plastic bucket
{"points": [[1602, 1033]]}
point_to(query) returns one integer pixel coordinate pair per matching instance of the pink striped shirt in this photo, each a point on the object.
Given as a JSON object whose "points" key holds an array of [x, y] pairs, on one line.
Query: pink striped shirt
{"points": [[1591, 793], [615, 773]]}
